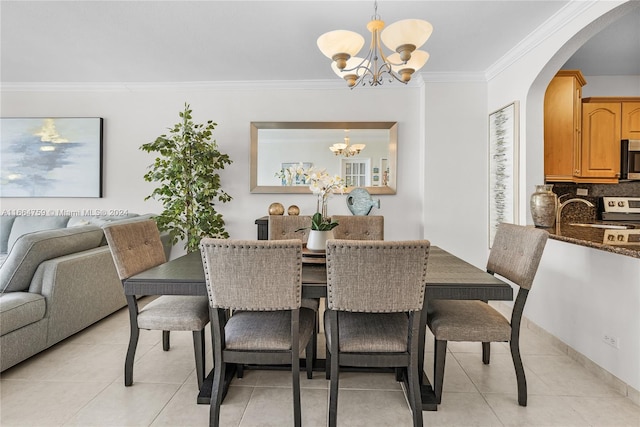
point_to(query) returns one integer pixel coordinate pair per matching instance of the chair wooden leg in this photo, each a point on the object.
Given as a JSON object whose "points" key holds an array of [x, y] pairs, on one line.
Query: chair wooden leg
{"points": [[310, 357], [217, 392], [438, 372], [165, 340], [413, 373], [399, 374], [333, 391], [239, 370], [486, 352], [327, 364], [198, 349], [520, 376], [295, 378], [133, 339]]}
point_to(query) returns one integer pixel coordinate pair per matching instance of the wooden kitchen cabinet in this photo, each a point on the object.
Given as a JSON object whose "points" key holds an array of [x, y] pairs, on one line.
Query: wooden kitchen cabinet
{"points": [[605, 122], [562, 125], [599, 152], [630, 120]]}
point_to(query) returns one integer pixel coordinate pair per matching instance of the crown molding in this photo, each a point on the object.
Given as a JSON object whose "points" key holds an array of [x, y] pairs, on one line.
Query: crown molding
{"points": [[453, 77], [332, 84], [540, 34]]}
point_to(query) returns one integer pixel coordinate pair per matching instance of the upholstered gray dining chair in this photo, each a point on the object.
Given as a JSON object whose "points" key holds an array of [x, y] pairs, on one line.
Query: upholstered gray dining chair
{"points": [[260, 282], [359, 227], [282, 227], [136, 247], [375, 294], [515, 255]]}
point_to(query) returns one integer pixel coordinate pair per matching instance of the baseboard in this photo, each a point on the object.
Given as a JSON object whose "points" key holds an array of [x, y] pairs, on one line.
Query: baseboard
{"points": [[607, 377]]}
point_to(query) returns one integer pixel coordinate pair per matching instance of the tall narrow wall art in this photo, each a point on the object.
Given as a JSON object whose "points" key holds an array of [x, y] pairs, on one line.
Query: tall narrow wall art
{"points": [[503, 167]]}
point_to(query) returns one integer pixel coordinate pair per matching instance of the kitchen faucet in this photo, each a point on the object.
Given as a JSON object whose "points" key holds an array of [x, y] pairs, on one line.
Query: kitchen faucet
{"points": [[563, 204]]}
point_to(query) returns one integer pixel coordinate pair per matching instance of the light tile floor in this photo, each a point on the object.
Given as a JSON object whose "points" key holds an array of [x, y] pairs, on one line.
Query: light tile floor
{"points": [[79, 382]]}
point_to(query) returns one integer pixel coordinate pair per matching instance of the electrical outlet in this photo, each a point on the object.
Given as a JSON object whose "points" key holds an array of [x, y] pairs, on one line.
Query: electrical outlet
{"points": [[611, 340], [582, 192]]}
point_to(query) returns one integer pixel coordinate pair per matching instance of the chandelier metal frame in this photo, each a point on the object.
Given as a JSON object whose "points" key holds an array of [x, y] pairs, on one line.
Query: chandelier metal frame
{"points": [[406, 36]]}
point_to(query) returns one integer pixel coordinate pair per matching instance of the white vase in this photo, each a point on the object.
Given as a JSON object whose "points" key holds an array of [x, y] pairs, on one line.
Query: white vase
{"points": [[317, 241]]}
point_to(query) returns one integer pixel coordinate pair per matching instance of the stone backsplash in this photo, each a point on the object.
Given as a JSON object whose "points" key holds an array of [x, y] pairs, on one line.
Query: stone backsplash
{"points": [[623, 189], [579, 212]]}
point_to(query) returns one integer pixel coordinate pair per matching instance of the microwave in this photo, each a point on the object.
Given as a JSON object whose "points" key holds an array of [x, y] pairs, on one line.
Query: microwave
{"points": [[630, 159]]}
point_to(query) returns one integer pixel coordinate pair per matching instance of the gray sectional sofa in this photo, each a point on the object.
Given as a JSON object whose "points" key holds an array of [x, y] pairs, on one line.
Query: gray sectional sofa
{"points": [[57, 277]]}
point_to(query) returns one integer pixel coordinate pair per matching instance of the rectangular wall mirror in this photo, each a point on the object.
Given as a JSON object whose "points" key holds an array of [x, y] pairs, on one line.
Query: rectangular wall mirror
{"points": [[277, 145]]}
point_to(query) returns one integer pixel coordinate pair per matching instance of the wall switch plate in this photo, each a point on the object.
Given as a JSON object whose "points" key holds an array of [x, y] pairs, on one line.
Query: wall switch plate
{"points": [[582, 192]]}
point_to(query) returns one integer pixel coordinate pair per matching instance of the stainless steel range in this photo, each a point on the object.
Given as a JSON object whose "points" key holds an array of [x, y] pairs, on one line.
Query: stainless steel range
{"points": [[621, 209], [625, 210], [621, 237]]}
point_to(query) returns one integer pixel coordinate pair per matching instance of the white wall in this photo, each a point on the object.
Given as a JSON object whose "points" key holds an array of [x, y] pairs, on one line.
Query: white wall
{"points": [[456, 168], [582, 294], [135, 115], [611, 86]]}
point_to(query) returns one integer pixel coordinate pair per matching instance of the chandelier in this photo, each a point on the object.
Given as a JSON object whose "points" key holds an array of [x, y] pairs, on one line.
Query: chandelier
{"points": [[346, 150], [402, 37]]}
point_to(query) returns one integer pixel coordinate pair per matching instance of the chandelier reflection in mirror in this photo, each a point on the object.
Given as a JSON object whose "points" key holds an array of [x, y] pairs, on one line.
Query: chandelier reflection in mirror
{"points": [[345, 149], [402, 37]]}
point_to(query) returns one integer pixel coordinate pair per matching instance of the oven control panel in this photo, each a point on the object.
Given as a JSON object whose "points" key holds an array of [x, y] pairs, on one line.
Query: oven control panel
{"points": [[621, 204], [621, 237]]}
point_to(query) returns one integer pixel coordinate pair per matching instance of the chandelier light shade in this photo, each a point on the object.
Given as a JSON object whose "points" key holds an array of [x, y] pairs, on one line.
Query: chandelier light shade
{"points": [[345, 149], [402, 37]]}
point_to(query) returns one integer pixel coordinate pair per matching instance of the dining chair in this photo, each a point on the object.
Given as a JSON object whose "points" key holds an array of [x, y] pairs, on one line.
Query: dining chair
{"points": [[515, 255], [375, 294], [135, 247], [359, 227], [260, 283], [283, 227]]}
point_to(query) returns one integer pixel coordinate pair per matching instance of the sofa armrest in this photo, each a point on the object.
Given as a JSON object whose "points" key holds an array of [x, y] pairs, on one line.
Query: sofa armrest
{"points": [[79, 289]]}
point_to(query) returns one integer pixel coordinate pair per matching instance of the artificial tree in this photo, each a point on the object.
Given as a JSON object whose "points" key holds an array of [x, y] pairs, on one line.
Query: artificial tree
{"points": [[187, 171]]}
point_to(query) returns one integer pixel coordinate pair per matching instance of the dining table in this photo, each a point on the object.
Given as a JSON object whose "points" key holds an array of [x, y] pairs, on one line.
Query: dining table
{"points": [[448, 277]]}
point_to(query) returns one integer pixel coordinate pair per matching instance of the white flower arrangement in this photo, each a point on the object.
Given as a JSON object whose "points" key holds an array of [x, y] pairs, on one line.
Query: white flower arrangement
{"points": [[321, 183]]}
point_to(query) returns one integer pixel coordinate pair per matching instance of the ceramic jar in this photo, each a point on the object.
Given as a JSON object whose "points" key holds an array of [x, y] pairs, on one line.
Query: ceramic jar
{"points": [[544, 204], [317, 241]]}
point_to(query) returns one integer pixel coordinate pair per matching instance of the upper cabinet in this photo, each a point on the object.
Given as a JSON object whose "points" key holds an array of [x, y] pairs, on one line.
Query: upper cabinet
{"points": [[582, 136], [562, 123], [630, 120], [599, 152], [605, 122]]}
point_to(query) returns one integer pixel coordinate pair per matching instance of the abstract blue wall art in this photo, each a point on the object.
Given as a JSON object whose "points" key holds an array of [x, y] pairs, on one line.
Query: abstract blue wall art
{"points": [[503, 167], [51, 157]]}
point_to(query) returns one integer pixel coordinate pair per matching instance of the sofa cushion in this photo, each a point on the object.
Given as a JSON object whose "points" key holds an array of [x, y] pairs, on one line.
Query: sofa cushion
{"points": [[29, 224], [18, 309], [99, 220], [6, 222], [33, 248]]}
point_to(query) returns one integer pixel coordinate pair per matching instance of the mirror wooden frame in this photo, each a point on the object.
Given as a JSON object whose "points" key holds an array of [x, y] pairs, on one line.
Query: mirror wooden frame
{"points": [[393, 153]]}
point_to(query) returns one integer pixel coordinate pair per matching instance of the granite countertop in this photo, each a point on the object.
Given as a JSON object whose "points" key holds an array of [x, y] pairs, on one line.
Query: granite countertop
{"points": [[593, 238]]}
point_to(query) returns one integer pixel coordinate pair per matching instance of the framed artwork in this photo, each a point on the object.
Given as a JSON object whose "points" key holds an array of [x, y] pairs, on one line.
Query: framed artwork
{"points": [[503, 167], [289, 177], [51, 157]]}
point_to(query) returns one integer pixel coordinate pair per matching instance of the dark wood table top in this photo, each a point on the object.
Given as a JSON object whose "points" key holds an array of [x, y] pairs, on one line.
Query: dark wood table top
{"points": [[448, 277]]}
